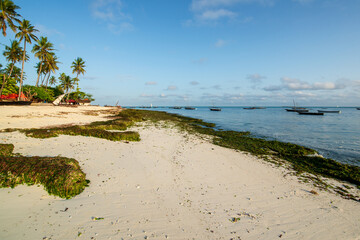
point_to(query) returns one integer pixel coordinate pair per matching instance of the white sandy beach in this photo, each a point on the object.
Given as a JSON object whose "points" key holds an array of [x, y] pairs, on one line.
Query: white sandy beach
{"points": [[170, 185]]}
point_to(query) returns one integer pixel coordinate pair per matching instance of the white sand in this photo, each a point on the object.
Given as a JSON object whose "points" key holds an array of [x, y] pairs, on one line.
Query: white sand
{"points": [[168, 186]]}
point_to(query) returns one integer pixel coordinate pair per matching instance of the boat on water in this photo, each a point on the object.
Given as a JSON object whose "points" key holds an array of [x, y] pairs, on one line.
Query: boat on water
{"points": [[215, 109], [190, 108], [310, 113], [252, 108], [297, 110], [358, 108], [329, 111], [16, 103]]}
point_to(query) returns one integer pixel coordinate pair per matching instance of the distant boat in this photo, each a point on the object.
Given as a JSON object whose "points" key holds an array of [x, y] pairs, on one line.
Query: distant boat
{"points": [[297, 110], [310, 113], [358, 108], [190, 108], [252, 108], [329, 111], [215, 109]]}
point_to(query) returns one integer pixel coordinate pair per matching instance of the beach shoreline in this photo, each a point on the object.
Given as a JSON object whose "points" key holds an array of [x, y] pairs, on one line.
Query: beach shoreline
{"points": [[170, 185]]}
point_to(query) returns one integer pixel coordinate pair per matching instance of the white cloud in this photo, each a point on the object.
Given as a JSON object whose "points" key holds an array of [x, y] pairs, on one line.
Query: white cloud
{"points": [[220, 43], [194, 83], [200, 61], [293, 84], [212, 11], [216, 14], [119, 28], [256, 78], [111, 12], [48, 31], [172, 88], [106, 9], [198, 5], [150, 83]]}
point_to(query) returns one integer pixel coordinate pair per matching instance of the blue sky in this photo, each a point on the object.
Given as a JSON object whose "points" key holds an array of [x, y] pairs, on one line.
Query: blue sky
{"points": [[204, 52]]}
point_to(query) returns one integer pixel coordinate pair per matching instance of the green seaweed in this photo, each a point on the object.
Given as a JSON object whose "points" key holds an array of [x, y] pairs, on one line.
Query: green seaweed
{"points": [[60, 176], [6, 149]]}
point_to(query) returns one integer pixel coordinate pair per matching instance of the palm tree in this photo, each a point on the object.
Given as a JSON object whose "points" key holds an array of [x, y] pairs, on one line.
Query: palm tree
{"points": [[78, 66], [8, 15], [13, 55], [42, 50], [51, 65], [66, 83], [52, 81], [26, 33]]}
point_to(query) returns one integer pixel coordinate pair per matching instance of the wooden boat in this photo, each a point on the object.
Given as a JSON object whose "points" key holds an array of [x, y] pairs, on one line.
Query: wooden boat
{"points": [[16, 103], [297, 110], [329, 111], [310, 113], [190, 108], [215, 109]]}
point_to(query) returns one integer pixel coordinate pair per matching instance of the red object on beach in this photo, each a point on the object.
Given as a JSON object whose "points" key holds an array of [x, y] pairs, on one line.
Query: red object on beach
{"points": [[12, 96]]}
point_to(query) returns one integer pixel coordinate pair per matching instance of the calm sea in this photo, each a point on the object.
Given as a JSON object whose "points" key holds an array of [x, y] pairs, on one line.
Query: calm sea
{"points": [[336, 136]]}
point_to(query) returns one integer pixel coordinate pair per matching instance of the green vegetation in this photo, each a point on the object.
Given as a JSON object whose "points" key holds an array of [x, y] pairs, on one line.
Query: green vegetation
{"points": [[42, 50], [60, 176]]}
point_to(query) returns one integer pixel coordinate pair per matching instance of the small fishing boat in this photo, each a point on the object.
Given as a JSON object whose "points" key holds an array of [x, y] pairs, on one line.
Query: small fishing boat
{"points": [[310, 113], [297, 110], [16, 103], [329, 111], [216, 109], [190, 108]]}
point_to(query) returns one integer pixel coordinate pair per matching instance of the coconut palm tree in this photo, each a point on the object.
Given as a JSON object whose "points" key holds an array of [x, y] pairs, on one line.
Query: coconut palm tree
{"points": [[8, 15], [13, 55], [51, 65], [78, 66], [66, 83], [52, 81], [26, 33], [42, 50]]}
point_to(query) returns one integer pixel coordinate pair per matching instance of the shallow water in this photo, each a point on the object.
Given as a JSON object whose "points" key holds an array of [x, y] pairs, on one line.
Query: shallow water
{"points": [[333, 135]]}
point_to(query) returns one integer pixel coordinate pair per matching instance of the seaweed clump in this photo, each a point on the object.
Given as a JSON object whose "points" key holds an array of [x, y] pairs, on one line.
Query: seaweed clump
{"points": [[60, 176], [112, 130]]}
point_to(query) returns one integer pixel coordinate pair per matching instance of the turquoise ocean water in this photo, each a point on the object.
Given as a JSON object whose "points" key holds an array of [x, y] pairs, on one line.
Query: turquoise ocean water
{"points": [[336, 136]]}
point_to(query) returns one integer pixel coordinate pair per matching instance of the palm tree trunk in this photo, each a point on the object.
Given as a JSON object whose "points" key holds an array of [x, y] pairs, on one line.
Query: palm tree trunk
{"points": [[22, 70], [37, 81], [47, 80]]}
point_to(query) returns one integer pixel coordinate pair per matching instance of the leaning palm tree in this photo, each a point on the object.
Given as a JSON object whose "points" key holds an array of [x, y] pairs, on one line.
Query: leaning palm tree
{"points": [[42, 50], [78, 66], [8, 15], [13, 55], [26, 33]]}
